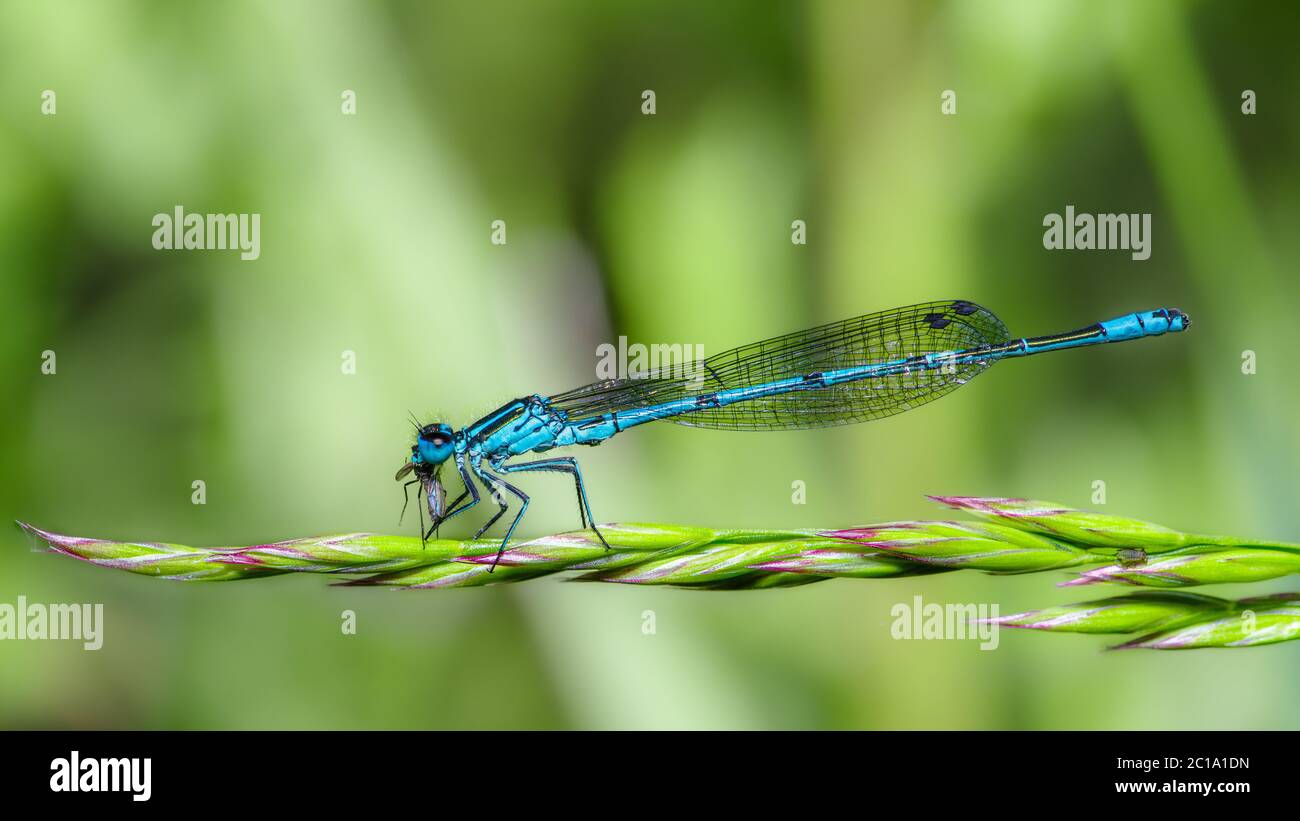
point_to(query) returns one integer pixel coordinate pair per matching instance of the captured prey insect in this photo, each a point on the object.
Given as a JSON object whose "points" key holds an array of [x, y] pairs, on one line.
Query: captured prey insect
{"points": [[845, 372]]}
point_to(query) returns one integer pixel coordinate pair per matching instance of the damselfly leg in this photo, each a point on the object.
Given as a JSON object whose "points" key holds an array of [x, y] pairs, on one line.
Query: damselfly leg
{"points": [[492, 482], [564, 464]]}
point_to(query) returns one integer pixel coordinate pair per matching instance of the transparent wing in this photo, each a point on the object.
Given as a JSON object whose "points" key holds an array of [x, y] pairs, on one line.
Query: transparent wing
{"points": [[888, 336]]}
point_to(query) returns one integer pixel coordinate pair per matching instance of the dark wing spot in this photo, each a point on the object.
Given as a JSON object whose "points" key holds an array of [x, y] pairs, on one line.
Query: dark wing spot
{"points": [[936, 320], [963, 308]]}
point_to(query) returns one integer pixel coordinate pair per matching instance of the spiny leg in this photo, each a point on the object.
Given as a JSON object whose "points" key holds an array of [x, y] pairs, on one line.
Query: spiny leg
{"points": [[492, 480], [470, 490], [564, 464], [502, 506]]}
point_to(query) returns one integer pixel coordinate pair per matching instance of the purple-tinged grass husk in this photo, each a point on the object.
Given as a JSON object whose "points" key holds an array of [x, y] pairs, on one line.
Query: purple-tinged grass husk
{"points": [[1172, 620]]}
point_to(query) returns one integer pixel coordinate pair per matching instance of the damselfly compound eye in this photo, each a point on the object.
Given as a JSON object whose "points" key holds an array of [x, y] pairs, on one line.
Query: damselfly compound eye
{"points": [[437, 432]]}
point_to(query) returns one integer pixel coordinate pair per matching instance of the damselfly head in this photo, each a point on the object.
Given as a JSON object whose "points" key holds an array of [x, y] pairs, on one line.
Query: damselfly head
{"points": [[433, 444]]}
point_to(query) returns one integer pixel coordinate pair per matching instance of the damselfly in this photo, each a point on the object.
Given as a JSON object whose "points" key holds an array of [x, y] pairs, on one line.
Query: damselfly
{"points": [[837, 374]]}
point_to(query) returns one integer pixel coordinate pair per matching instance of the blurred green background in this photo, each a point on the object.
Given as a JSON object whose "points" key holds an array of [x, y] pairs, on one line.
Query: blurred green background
{"points": [[672, 228]]}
